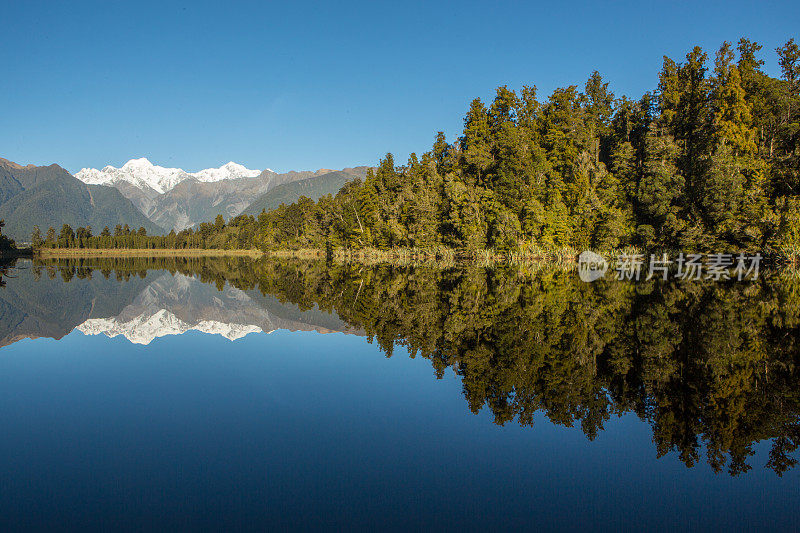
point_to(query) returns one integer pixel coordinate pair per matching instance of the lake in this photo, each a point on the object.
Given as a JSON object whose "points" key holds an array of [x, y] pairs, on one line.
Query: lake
{"points": [[229, 393]]}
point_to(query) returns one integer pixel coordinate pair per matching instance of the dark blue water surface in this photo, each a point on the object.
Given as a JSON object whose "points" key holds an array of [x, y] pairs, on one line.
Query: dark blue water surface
{"points": [[311, 430], [307, 430]]}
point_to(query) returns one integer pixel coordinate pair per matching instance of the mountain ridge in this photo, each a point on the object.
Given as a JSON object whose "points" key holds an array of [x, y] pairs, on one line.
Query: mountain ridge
{"points": [[313, 187], [49, 196], [182, 200], [157, 198], [143, 174]]}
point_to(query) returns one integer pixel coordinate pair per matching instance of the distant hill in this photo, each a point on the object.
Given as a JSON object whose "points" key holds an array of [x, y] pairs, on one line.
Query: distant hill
{"points": [[50, 196], [314, 188]]}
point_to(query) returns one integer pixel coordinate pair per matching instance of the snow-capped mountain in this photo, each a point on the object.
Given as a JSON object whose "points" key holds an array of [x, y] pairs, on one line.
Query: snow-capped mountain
{"points": [[173, 198], [144, 175], [227, 171], [145, 328]]}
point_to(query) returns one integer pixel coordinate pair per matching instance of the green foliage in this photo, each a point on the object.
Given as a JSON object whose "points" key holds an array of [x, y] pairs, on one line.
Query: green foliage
{"points": [[37, 241]]}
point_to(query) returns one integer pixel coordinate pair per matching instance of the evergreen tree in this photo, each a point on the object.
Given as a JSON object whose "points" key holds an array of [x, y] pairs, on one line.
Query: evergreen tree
{"points": [[36, 238], [66, 238], [731, 198], [219, 222], [476, 148], [50, 240]]}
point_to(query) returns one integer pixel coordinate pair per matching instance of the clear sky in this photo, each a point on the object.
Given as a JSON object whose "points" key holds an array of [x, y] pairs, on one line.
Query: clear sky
{"points": [[295, 85]]}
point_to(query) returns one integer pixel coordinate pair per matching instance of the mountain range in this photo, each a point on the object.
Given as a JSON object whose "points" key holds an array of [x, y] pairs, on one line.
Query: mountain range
{"points": [[176, 199], [141, 194], [50, 196], [146, 176]]}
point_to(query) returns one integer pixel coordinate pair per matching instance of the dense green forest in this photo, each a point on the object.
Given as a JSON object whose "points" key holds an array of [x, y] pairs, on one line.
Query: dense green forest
{"points": [[712, 367], [708, 160]]}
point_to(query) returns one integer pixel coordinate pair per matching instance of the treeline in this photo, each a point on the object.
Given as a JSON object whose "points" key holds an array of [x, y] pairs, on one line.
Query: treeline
{"points": [[216, 270], [219, 235], [708, 160]]}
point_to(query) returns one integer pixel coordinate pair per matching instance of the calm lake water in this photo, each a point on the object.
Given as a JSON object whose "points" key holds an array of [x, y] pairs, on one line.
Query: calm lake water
{"points": [[231, 394]]}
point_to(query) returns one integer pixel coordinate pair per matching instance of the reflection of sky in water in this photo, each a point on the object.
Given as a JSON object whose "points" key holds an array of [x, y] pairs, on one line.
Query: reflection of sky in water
{"points": [[309, 429]]}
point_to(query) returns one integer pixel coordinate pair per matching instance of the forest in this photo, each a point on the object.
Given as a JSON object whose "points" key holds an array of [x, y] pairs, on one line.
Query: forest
{"points": [[708, 160]]}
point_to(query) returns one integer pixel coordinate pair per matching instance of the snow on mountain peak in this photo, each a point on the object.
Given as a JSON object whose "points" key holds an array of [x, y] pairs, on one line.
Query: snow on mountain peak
{"points": [[142, 162], [145, 175], [147, 327], [227, 171]]}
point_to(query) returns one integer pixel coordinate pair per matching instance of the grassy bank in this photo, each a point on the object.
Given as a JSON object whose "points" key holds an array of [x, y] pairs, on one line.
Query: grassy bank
{"points": [[303, 253], [142, 252]]}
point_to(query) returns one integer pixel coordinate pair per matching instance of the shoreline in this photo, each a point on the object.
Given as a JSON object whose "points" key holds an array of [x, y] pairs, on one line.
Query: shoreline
{"points": [[48, 253], [439, 255]]}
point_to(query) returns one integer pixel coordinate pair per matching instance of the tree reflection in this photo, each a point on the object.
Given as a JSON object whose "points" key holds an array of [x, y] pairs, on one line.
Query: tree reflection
{"points": [[712, 367], [5, 267]]}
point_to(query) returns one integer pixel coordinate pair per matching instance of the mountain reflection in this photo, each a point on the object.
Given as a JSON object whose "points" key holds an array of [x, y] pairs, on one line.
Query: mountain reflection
{"points": [[142, 301], [712, 367]]}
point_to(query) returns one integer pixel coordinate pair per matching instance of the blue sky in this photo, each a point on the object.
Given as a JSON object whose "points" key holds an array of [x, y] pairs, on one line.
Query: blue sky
{"points": [[294, 85]]}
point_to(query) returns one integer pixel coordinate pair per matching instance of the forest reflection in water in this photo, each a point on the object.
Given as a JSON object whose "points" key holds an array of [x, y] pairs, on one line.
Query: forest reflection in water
{"points": [[710, 366]]}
